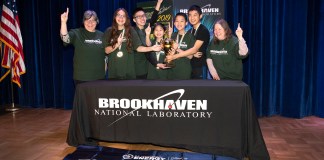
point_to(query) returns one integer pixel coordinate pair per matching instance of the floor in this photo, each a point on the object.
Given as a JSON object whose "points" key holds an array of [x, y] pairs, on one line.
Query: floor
{"points": [[39, 134]]}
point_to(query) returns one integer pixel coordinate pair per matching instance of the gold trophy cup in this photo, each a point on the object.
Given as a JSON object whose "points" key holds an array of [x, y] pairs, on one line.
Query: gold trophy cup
{"points": [[167, 45]]}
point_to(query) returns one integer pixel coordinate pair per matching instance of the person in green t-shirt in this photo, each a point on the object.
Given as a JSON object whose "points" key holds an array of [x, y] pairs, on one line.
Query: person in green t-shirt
{"points": [[120, 41], [156, 69], [225, 52], [89, 53], [139, 18], [184, 51]]}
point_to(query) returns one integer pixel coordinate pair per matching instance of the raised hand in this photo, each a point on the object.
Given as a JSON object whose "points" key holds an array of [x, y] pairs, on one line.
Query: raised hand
{"points": [[148, 29], [170, 30], [120, 39], [239, 32], [159, 1], [158, 5], [65, 15]]}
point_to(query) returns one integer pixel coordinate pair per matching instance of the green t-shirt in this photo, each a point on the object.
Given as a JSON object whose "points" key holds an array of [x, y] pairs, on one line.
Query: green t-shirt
{"points": [[182, 69], [89, 54], [141, 63], [226, 58], [153, 72], [121, 66]]}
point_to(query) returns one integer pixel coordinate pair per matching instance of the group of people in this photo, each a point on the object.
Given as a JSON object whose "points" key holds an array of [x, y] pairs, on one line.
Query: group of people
{"points": [[133, 54]]}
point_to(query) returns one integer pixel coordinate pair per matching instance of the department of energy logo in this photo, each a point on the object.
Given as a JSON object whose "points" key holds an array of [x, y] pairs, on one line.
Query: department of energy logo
{"points": [[160, 107], [130, 156]]}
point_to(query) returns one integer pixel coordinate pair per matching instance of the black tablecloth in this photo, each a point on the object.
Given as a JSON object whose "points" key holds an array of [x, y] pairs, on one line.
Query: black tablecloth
{"points": [[215, 117]]}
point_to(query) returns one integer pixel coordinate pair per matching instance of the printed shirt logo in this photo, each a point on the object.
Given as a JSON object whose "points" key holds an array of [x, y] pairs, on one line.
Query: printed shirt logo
{"points": [[93, 41], [183, 45], [218, 52]]}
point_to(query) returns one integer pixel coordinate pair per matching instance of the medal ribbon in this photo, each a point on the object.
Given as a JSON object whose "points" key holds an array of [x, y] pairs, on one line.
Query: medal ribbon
{"points": [[157, 53], [180, 39]]}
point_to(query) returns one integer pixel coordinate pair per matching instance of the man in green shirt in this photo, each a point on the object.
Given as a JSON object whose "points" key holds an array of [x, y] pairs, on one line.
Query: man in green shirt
{"points": [[139, 17]]}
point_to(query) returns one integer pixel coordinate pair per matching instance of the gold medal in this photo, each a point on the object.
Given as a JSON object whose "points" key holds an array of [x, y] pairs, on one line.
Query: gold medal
{"points": [[119, 54]]}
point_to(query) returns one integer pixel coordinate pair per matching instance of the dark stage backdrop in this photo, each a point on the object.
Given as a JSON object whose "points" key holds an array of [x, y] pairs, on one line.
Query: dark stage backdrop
{"points": [[284, 69]]}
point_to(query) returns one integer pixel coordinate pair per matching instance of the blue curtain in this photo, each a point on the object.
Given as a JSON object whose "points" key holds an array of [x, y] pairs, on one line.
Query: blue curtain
{"points": [[283, 69]]}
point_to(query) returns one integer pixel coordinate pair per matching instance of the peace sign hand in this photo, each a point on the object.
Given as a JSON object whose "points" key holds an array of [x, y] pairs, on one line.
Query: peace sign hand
{"points": [[170, 30], [120, 39], [65, 16], [239, 32]]}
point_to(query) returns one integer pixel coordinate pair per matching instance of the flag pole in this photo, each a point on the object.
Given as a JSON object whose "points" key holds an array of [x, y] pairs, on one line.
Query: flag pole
{"points": [[12, 107]]}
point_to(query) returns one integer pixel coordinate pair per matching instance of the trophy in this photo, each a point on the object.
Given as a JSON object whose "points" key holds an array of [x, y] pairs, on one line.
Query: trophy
{"points": [[167, 45]]}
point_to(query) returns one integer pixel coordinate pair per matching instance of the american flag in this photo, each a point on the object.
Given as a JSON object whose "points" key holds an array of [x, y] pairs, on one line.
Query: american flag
{"points": [[11, 42]]}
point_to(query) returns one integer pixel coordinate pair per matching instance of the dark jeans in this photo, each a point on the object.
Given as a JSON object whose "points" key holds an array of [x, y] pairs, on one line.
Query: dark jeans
{"points": [[197, 73]]}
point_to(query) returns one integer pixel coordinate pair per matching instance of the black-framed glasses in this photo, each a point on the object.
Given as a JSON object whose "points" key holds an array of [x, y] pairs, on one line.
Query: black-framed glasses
{"points": [[121, 16], [140, 16]]}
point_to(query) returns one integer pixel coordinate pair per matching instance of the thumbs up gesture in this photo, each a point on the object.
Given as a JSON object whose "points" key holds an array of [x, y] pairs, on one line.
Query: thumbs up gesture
{"points": [[239, 32]]}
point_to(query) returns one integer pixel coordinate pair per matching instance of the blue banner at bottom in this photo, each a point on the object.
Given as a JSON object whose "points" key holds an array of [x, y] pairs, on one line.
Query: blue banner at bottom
{"points": [[106, 153]]}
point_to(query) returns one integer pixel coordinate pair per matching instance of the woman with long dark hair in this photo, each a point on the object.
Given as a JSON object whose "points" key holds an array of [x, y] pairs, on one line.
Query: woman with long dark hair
{"points": [[121, 40]]}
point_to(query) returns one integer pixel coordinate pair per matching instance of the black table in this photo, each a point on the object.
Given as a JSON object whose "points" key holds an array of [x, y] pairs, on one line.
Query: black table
{"points": [[215, 117]]}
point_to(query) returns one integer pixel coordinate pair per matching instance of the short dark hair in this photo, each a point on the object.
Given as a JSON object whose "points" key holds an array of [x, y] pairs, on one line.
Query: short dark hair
{"points": [[137, 10], [90, 13], [181, 14], [159, 24], [195, 8]]}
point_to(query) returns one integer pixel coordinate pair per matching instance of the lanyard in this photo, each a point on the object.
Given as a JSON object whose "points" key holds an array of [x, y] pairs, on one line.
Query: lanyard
{"points": [[196, 29], [180, 39]]}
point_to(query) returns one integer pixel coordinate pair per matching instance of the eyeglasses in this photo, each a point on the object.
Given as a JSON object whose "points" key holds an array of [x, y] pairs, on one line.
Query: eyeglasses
{"points": [[90, 21], [121, 16], [140, 16]]}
